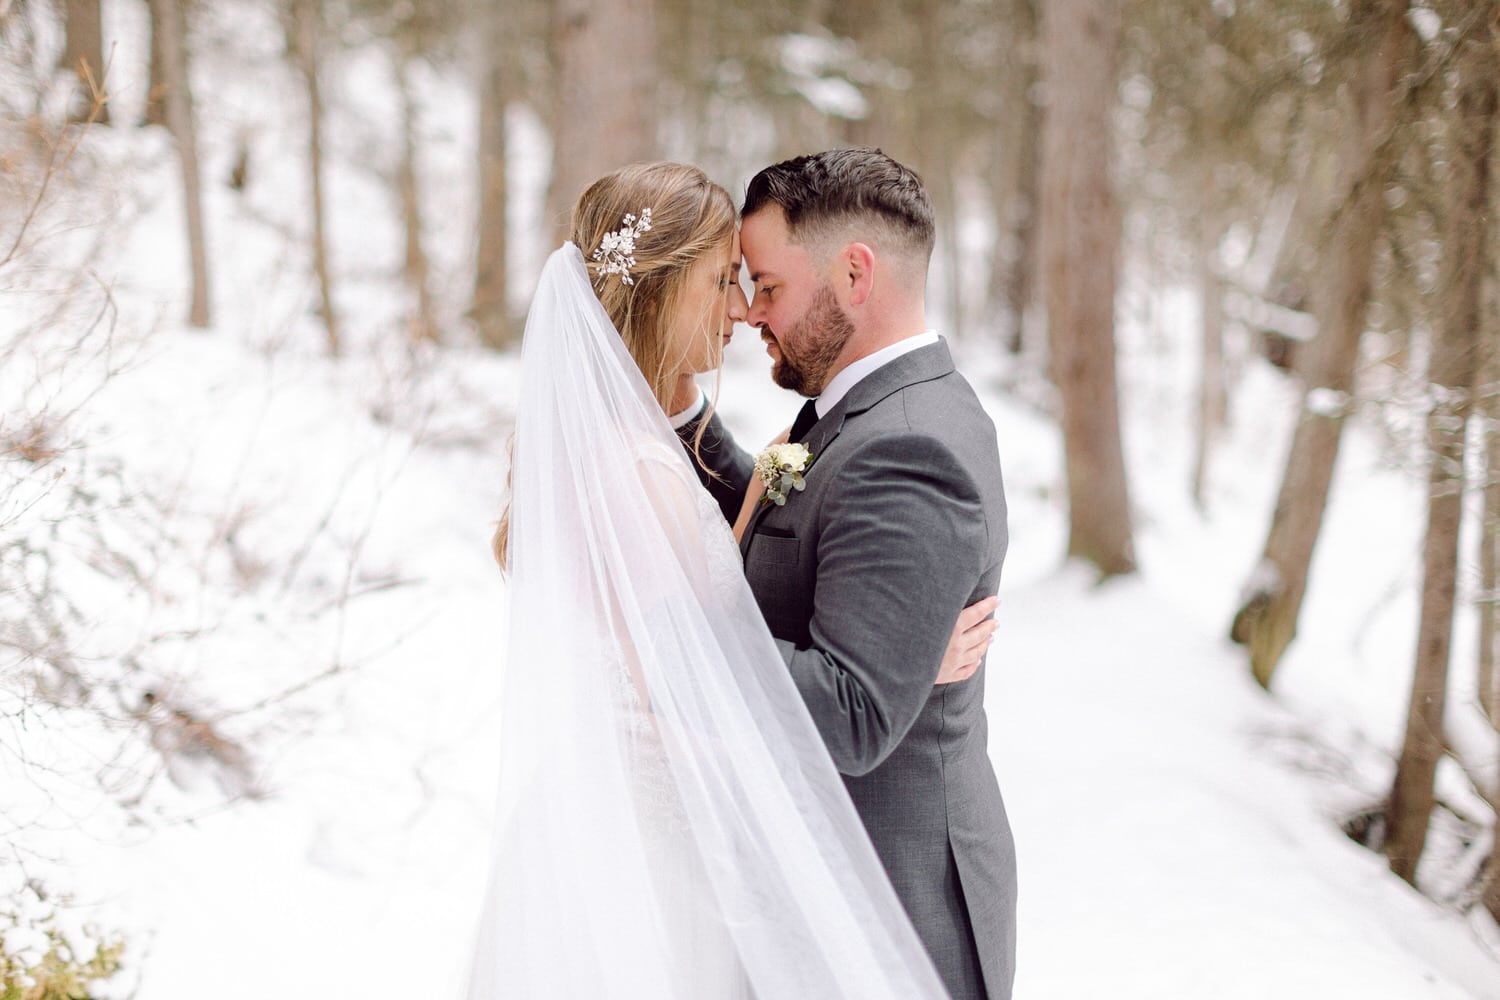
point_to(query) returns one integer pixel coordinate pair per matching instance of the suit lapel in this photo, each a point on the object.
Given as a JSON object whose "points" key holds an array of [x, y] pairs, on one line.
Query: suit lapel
{"points": [[921, 365], [822, 432], [760, 512]]}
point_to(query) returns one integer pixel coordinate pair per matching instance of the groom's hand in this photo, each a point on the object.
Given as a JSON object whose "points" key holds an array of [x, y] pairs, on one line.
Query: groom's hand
{"points": [[970, 641]]}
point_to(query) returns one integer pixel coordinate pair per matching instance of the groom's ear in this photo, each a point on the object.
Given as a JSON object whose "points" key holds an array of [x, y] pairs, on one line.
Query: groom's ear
{"points": [[857, 264]]}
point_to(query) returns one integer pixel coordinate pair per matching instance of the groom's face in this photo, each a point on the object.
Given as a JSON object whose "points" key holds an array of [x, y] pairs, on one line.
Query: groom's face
{"points": [[794, 307]]}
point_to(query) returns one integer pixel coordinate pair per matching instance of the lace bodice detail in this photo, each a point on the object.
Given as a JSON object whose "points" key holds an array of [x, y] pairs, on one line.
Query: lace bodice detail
{"points": [[720, 554], [711, 560], [726, 567]]}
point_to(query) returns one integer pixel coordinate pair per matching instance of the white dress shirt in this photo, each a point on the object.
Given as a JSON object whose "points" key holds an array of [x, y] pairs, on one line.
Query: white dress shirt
{"points": [[838, 387], [680, 420]]}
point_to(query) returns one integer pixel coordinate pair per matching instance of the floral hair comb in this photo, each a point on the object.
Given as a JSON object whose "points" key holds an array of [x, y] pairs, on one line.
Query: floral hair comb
{"points": [[616, 253]]}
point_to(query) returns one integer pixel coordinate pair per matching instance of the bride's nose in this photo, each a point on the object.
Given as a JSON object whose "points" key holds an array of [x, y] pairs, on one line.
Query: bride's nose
{"points": [[739, 306]]}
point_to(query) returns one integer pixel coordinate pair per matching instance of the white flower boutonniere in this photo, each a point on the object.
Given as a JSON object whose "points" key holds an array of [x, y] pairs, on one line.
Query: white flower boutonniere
{"points": [[781, 467]]}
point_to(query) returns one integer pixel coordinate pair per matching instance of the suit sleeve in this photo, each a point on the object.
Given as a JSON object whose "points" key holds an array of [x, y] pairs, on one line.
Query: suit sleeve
{"points": [[900, 554], [724, 468]]}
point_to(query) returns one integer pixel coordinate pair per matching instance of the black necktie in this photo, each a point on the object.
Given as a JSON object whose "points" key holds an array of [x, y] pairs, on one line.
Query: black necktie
{"points": [[806, 417]]}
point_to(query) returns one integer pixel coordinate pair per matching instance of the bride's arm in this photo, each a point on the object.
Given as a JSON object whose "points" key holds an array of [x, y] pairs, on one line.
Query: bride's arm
{"points": [[753, 493], [668, 489], [752, 497], [722, 466]]}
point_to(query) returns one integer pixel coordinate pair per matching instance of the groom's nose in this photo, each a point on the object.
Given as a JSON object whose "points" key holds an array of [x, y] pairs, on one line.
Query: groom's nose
{"points": [[757, 314]]}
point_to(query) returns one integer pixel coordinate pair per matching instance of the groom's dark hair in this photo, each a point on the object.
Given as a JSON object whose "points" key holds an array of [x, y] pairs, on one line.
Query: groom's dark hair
{"points": [[842, 188]]}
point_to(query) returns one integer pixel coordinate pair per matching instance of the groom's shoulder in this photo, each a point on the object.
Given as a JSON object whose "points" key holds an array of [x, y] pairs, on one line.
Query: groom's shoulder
{"points": [[933, 418], [944, 407], [946, 414]]}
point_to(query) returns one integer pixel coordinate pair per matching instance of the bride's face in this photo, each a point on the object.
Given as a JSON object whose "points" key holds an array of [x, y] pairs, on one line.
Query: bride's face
{"points": [[712, 302]]}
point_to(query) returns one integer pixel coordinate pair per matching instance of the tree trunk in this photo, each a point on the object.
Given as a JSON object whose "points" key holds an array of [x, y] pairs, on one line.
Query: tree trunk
{"points": [[177, 99], [1080, 242], [1267, 621], [698, 60], [83, 53], [1451, 376], [1487, 404], [305, 31], [1284, 281], [947, 200], [1212, 393], [861, 22], [1489, 555], [1491, 896], [940, 144], [1017, 193], [415, 270], [156, 87], [490, 308], [607, 105], [1489, 619]]}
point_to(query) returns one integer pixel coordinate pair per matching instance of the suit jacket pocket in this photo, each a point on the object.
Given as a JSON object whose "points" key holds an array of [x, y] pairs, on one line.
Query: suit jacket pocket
{"points": [[778, 549], [774, 567]]}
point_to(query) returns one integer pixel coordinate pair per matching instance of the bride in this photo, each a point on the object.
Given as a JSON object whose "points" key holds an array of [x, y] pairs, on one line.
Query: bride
{"points": [[670, 824]]}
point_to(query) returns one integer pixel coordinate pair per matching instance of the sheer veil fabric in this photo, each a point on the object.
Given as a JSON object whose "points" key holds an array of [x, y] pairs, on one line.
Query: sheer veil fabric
{"points": [[670, 824]]}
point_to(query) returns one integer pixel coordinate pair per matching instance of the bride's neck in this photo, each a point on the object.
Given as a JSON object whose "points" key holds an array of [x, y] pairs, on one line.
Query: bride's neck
{"points": [[684, 394]]}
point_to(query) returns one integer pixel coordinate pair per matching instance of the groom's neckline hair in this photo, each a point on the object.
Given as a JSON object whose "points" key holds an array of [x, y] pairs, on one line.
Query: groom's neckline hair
{"points": [[821, 192]]}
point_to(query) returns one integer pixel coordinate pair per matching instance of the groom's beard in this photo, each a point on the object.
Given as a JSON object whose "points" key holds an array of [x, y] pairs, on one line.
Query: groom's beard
{"points": [[820, 336]]}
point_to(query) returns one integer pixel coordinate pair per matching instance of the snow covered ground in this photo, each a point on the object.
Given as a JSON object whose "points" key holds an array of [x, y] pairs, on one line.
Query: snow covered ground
{"points": [[329, 567], [1177, 829]]}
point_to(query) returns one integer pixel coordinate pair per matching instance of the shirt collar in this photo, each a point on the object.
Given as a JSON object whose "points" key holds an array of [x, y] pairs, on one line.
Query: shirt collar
{"points": [[838, 387], [687, 416]]}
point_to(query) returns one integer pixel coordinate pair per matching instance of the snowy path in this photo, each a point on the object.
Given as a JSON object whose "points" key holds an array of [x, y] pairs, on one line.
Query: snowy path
{"points": [[1166, 847]]}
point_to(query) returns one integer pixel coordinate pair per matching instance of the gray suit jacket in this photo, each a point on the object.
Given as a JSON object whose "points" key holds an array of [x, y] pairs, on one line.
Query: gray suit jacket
{"points": [[861, 578]]}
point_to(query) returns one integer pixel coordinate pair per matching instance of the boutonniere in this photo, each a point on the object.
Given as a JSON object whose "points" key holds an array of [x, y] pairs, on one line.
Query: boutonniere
{"points": [[781, 468]]}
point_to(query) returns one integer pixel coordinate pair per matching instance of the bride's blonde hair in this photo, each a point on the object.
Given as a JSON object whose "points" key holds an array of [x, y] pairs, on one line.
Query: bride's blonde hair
{"points": [[690, 216]]}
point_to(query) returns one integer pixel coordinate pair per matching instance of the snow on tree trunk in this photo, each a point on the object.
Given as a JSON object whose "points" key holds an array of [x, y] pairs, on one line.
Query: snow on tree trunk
{"points": [[1080, 234]]}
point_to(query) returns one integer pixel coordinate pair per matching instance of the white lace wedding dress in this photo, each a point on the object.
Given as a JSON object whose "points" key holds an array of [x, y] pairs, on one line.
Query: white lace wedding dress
{"points": [[670, 826], [704, 961]]}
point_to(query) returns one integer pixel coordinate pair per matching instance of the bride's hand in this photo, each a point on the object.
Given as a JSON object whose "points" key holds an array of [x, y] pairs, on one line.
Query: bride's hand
{"points": [[754, 491], [970, 641]]}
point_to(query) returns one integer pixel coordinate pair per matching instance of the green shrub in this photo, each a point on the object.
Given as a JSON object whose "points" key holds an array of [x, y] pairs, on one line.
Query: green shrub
{"points": [[47, 953]]}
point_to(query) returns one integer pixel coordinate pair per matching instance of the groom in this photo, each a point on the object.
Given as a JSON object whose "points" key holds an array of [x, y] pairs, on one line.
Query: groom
{"points": [[901, 525]]}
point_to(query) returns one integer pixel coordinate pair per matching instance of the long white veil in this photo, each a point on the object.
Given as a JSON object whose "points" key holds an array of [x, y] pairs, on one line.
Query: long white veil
{"points": [[670, 823]]}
